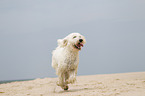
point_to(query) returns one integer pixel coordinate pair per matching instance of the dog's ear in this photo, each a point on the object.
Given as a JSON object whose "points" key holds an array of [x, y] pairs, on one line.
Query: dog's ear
{"points": [[65, 42], [62, 42]]}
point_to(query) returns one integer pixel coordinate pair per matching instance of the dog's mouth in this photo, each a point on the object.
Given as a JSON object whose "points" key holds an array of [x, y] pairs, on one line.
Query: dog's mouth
{"points": [[78, 46]]}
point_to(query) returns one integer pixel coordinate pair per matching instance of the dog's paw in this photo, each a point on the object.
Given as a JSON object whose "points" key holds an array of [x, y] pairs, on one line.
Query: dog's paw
{"points": [[66, 87]]}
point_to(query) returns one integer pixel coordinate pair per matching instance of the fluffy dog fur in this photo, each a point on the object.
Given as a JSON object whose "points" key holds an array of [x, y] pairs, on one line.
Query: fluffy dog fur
{"points": [[65, 58]]}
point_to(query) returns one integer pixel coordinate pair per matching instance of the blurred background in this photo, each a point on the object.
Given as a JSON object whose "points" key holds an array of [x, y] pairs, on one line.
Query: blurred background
{"points": [[29, 29]]}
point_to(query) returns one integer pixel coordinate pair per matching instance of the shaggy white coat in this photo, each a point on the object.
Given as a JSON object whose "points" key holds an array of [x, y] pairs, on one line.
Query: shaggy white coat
{"points": [[65, 58]]}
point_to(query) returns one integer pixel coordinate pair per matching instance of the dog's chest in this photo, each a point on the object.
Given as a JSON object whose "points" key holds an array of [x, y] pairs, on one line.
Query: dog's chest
{"points": [[71, 60]]}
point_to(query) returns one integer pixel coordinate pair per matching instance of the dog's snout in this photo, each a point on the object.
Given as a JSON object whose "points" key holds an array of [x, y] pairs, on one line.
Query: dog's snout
{"points": [[81, 40]]}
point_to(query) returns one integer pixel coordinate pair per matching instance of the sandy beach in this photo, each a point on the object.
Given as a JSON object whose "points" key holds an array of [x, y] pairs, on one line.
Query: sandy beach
{"points": [[123, 84]]}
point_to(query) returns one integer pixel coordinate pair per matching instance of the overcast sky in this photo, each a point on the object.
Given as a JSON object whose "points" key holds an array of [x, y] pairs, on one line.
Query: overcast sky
{"points": [[29, 29]]}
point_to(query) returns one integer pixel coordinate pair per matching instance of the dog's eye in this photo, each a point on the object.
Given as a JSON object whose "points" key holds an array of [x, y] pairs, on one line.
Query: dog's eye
{"points": [[74, 37]]}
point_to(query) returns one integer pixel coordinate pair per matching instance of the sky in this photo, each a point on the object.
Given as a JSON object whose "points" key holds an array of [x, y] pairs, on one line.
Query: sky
{"points": [[29, 29]]}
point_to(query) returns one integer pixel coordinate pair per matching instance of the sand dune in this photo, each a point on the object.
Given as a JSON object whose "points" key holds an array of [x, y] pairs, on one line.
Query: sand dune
{"points": [[124, 84]]}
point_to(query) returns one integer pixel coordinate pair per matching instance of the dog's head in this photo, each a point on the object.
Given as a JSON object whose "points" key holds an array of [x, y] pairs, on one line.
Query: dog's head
{"points": [[73, 40]]}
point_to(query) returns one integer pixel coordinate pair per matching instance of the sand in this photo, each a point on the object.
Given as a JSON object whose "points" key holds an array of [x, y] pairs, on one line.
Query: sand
{"points": [[124, 84]]}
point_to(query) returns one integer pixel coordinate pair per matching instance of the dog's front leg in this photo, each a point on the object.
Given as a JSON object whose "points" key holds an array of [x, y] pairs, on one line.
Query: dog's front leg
{"points": [[61, 81], [72, 77]]}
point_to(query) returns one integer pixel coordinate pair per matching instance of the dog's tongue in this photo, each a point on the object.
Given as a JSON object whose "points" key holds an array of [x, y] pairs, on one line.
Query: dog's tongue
{"points": [[79, 45]]}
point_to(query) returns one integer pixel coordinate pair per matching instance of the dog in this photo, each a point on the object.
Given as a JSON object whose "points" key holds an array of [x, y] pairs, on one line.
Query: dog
{"points": [[65, 58]]}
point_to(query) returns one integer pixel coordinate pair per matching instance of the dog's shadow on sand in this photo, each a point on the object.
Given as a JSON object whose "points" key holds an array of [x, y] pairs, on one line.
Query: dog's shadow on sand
{"points": [[75, 90]]}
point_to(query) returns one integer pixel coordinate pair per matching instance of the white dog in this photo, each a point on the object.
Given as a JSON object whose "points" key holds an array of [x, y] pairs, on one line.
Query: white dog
{"points": [[65, 58]]}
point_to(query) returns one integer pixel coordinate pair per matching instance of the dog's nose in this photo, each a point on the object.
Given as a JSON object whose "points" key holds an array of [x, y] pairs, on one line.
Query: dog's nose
{"points": [[81, 40]]}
